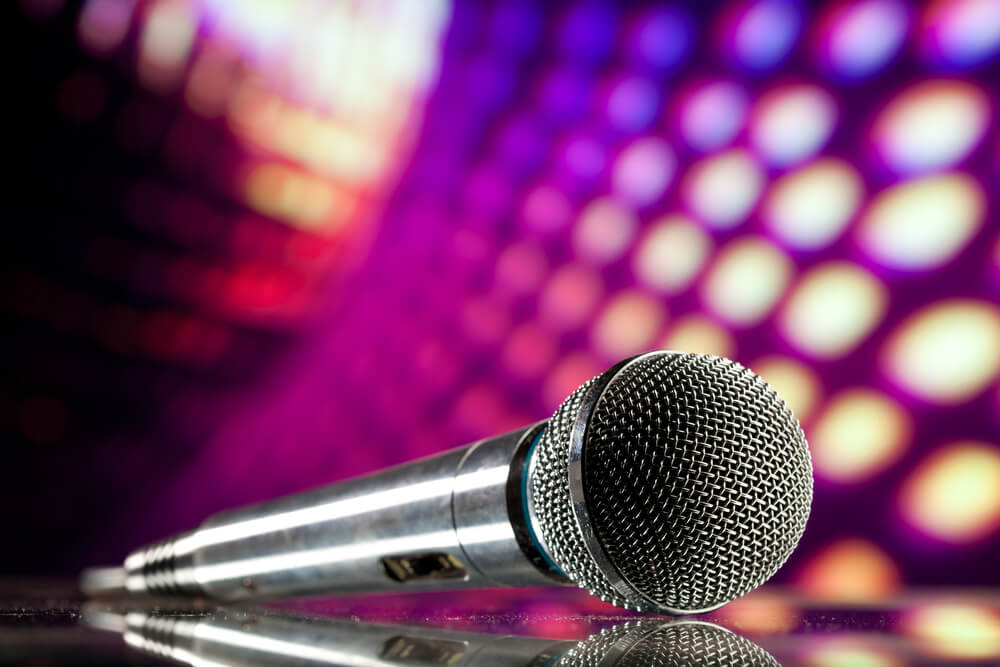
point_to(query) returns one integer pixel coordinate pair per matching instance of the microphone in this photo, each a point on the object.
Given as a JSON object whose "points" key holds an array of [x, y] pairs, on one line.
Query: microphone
{"points": [[268, 637], [671, 483]]}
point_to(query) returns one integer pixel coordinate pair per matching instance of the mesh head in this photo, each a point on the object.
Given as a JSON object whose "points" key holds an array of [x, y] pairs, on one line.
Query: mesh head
{"points": [[696, 480], [669, 645]]}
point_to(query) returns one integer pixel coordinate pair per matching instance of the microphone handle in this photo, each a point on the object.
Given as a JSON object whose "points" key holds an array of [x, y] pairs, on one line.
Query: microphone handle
{"points": [[455, 520]]}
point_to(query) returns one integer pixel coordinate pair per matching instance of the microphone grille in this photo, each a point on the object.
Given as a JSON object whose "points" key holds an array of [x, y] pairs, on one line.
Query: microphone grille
{"points": [[678, 644], [696, 478]]}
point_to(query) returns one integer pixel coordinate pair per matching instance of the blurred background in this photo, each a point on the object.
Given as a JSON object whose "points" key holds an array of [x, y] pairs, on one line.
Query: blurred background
{"points": [[253, 247]]}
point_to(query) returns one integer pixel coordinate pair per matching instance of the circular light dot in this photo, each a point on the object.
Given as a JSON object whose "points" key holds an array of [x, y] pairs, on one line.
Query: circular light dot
{"points": [[712, 115], [723, 188], [627, 324], [661, 38], [810, 207], [521, 268], [546, 209], [570, 297], [528, 351], [633, 104], [833, 307], [931, 125], [644, 170], [567, 376], [485, 321], [583, 158], [844, 651], [795, 382], [746, 280], [860, 433], [954, 495], [603, 231], [948, 352], [922, 224], [957, 631], [791, 123], [960, 33], [671, 253], [700, 335], [763, 32], [850, 569], [848, 50]]}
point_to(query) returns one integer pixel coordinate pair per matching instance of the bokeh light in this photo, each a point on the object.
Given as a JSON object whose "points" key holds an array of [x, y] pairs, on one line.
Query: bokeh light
{"points": [[628, 324], [922, 224], [954, 494], [947, 352], [643, 171], [762, 32], [671, 253], [845, 47], [712, 114], [701, 335], [721, 189], [796, 383], [958, 34], [791, 123], [931, 125], [832, 308], [956, 631], [859, 434], [810, 207], [603, 231], [850, 569], [849, 651], [748, 277]]}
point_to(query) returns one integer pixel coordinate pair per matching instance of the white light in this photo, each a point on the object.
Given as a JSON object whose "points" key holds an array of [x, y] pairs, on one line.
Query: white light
{"points": [[947, 352], [832, 309], [723, 188], [922, 224], [851, 51], [746, 280], [671, 253], [931, 125], [603, 231], [644, 170], [791, 123], [810, 207]]}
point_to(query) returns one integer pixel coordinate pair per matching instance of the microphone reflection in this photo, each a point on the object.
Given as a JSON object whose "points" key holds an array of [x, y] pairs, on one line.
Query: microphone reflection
{"points": [[232, 636]]}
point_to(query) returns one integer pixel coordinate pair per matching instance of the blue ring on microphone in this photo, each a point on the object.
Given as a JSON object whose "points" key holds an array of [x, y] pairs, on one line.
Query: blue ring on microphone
{"points": [[524, 507]]}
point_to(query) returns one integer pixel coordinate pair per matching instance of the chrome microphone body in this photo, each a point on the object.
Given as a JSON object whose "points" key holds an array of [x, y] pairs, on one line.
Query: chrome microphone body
{"points": [[670, 483], [448, 521]]}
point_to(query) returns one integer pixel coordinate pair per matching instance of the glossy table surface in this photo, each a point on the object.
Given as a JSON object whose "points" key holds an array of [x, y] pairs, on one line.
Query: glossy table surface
{"points": [[45, 622]]}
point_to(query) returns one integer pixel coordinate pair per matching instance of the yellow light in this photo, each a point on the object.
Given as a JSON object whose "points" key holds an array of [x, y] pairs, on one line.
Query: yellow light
{"points": [[850, 569], [932, 124], [628, 324], [166, 41], [747, 279], [948, 352], [795, 383], [570, 296], [722, 189], [297, 198], [954, 494], [603, 231], [761, 613], [671, 253], [961, 631], [850, 652], [924, 223], [699, 334], [860, 433], [810, 207], [831, 310]]}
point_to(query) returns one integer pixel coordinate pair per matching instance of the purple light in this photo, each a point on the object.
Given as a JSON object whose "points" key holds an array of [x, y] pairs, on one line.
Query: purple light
{"points": [[762, 33], [712, 114], [958, 34], [633, 103], [858, 40], [661, 38]]}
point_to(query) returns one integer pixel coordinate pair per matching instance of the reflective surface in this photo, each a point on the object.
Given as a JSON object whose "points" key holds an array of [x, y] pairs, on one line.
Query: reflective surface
{"points": [[44, 622]]}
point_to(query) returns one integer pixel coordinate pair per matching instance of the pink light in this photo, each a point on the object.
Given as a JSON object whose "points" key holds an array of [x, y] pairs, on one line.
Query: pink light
{"points": [[859, 39], [712, 114], [644, 170], [960, 33]]}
